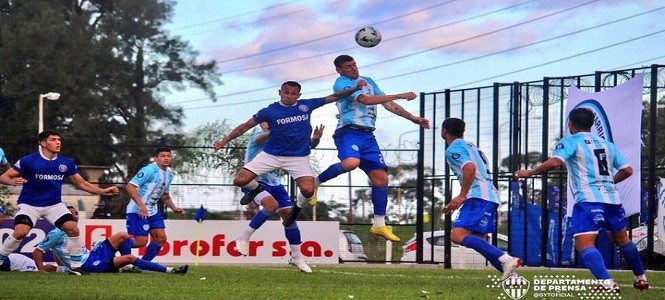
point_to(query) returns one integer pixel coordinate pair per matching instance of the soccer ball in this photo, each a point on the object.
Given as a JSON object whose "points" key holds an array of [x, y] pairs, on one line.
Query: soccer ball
{"points": [[368, 37]]}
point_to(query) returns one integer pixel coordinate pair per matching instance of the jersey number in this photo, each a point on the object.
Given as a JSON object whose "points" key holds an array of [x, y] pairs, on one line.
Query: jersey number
{"points": [[601, 156]]}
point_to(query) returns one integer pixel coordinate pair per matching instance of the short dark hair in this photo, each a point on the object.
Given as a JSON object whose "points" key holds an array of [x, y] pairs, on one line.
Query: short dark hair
{"points": [[160, 150], [71, 207], [582, 118], [292, 83], [342, 59], [454, 126], [46, 133]]}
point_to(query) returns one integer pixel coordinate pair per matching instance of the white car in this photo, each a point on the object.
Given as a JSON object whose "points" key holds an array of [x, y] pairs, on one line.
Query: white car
{"points": [[350, 247], [461, 257]]}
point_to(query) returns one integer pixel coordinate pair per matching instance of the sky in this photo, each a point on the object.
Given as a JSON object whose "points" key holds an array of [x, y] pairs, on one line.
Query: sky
{"points": [[427, 46]]}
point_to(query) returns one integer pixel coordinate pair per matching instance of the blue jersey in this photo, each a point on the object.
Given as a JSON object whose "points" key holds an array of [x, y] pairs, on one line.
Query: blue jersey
{"points": [[591, 162], [44, 178], [253, 148], [56, 240], [3, 158], [290, 127], [352, 112], [151, 182], [460, 153]]}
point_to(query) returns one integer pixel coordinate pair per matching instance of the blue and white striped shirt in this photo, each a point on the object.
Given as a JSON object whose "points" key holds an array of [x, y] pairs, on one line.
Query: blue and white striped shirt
{"points": [[352, 112], [151, 182], [460, 153], [591, 162]]}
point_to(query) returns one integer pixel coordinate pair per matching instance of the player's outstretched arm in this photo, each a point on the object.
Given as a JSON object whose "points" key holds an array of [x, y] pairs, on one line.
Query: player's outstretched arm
{"points": [[345, 92], [236, 132], [81, 183], [380, 99], [549, 164], [400, 111]]}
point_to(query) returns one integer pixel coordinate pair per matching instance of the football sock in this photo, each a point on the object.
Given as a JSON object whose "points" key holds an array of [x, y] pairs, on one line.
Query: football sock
{"points": [[295, 251], [292, 233], [251, 185], [301, 200], [126, 247], [594, 262], [379, 221], [487, 250], [151, 251], [148, 265], [75, 250], [8, 246], [259, 219], [380, 199], [632, 256], [331, 172]]}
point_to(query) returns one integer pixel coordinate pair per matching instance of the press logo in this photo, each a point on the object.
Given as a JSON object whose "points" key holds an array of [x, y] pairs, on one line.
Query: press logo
{"points": [[554, 286], [515, 287]]}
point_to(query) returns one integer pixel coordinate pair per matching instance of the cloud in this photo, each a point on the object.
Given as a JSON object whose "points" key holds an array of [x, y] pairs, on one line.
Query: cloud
{"points": [[310, 37]]}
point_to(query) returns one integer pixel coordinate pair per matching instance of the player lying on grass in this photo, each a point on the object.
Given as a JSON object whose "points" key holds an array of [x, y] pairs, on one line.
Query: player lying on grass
{"points": [[102, 258]]}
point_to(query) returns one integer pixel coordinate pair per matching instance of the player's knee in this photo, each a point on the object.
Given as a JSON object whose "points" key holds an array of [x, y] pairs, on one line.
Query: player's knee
{"points": [[159, 240], [307, 192], [350, 164], [140, 241], [23, 220], [64, 219], [270, 206], [456, 236]]}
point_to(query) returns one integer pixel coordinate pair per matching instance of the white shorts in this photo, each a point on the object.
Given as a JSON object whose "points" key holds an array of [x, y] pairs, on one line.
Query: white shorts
{"points": [[49, 213], [296, 166], [21, 263]]}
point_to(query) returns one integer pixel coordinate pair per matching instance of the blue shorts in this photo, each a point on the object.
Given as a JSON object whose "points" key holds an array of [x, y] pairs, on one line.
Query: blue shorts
{"points": [[589, 217], [138, 226], [477, 215], [100, 259], [276, 191], [359, 144]]}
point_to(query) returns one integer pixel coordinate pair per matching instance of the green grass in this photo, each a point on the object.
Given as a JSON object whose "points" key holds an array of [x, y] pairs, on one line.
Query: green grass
{"points": [[357, 281]]}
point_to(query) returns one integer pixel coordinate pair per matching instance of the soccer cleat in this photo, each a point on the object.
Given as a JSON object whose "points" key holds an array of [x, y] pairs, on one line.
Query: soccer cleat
{"points": [[510, 267], [292, 217], [182, 270], [249, 197], [641, 285], [315, 197], [385, 232], [77, 271], [242, 247], [300, 263], [130, 269]]}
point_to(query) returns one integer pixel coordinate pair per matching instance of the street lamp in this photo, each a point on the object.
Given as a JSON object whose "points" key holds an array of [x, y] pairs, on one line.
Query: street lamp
{"points": [[50, 96]]}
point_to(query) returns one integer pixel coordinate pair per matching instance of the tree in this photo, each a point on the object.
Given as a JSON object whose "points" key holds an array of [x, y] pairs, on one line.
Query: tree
{"points": [[112, 62]]}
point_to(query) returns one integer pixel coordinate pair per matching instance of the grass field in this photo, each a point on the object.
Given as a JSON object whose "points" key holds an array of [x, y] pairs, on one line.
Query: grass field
{"points": [[356, 281]]}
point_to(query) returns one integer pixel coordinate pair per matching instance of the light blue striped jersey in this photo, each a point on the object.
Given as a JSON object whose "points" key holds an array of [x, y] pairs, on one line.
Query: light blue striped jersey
{"points": [[56, 240], [253, 149], [151, 182], [460, 153], [591, 162], [352, 112]]}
